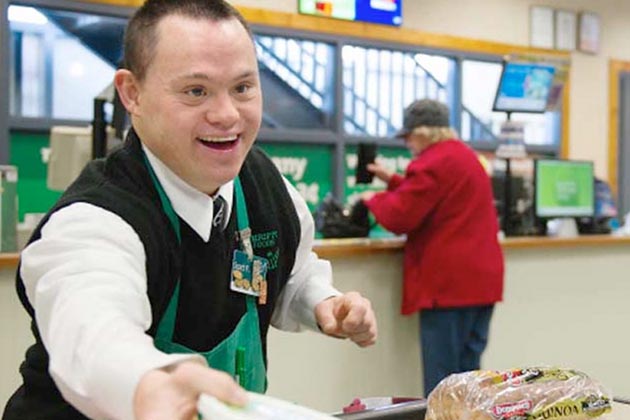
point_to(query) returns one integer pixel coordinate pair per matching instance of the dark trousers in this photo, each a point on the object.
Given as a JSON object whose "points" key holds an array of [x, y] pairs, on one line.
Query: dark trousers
{"points": [[452, 340]]}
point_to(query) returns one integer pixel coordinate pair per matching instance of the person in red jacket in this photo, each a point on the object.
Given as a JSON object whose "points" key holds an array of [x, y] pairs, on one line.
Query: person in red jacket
{"points": [[453, 263]]}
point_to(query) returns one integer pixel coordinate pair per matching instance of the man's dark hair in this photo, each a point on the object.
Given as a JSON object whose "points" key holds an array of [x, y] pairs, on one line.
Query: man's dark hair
{"points": [[141, 34]]}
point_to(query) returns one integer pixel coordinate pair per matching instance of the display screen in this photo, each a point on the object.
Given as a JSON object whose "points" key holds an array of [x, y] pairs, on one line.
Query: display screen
{"points": [[564, 188], [524, 87], [387, 12]]}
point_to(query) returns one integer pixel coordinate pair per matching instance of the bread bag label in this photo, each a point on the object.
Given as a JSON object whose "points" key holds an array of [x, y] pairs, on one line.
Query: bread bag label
{"points": [[512, 410], [591, 406]]}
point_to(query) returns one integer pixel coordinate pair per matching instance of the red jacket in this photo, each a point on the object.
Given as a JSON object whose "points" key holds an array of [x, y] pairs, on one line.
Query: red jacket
{"points": [[445, 206]]}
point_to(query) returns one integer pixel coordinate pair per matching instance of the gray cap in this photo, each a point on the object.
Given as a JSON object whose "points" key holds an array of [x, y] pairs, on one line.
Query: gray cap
{"points": [[424, 112]]}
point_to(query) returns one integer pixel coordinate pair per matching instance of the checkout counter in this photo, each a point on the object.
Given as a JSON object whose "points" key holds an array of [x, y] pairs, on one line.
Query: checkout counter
{"points": [[566, 303], [415, 410]]}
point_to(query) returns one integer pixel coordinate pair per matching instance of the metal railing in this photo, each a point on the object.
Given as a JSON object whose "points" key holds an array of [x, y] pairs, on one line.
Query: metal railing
{"points": [[372, 105]]}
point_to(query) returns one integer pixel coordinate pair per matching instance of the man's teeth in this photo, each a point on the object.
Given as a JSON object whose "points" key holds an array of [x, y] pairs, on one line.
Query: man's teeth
{"points": [[218, 139]]}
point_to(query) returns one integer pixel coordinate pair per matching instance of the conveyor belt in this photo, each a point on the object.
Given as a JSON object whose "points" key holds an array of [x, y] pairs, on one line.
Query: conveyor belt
{"points": [[415, 410], [411, 410]]}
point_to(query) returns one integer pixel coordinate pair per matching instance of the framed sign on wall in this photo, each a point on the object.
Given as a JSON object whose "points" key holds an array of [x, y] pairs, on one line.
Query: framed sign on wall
{"points": [[541, 27], [589, 32], [565, 30]]}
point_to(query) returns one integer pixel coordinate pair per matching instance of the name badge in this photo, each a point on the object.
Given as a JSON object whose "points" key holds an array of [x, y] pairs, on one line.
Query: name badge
{"points": [[249, 276]]}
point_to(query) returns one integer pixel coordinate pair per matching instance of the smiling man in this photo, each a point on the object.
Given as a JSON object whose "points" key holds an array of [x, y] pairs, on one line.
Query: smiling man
{"points": [[142, 296]]}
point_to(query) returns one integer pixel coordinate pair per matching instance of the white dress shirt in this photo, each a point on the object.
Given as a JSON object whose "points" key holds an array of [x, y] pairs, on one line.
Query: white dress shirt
{"points": [[86, 279]]}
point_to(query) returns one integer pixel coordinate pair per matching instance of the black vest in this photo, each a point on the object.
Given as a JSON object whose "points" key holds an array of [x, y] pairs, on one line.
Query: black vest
{"points": [[209, 310]]}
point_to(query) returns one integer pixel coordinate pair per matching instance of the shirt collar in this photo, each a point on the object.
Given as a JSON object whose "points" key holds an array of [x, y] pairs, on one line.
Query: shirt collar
{"points": [[193, 206]]}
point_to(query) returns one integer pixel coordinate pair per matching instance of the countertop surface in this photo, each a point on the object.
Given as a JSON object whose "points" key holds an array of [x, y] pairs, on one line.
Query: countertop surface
{"points": [[328, 248]]}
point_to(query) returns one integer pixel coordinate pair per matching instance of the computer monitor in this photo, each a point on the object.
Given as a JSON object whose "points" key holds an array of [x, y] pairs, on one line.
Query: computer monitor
{"points": [[563, 188], [524, 87]]}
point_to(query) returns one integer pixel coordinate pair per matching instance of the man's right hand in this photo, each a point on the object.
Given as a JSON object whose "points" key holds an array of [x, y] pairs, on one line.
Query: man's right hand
{"points": [[173, 394], [379, 171]]}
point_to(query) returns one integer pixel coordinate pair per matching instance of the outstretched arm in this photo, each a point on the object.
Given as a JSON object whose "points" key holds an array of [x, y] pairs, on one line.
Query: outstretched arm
{"points": [[309, 299], [85, 277]]}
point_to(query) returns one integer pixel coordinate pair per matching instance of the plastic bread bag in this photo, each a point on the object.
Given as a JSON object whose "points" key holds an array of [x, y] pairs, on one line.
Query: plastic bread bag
{"points": [[537, 393], [259, 407]]}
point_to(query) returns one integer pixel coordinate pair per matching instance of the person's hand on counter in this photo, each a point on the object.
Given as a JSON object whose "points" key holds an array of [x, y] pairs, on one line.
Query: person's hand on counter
{"points": [[173, 394], [348, 316]]}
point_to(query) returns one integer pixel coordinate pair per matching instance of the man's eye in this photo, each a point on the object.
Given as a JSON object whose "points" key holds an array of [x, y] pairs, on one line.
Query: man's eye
{"points": [[242, 88], [196, 92]]}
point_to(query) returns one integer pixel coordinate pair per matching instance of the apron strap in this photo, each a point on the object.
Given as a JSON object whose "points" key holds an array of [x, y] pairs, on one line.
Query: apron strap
{"points": [[242, 219]]}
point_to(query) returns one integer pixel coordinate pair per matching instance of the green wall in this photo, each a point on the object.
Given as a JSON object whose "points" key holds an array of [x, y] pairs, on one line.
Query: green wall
{"points": [[26, 154], [308, 167]]}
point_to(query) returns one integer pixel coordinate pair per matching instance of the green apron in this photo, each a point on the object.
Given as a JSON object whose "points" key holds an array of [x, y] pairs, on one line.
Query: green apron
{"points": [[244, 342]]}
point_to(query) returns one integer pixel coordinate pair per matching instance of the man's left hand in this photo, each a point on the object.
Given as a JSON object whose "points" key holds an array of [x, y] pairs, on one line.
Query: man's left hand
{"points": [[348, 316]]}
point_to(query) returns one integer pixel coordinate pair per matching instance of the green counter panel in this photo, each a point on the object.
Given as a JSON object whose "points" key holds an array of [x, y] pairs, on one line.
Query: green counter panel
{"points": [[26, 155], [307, 167]]}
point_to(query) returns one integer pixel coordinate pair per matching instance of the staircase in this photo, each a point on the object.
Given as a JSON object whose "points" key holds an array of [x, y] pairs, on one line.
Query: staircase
{"points": [[298, 80], [297, 74]]}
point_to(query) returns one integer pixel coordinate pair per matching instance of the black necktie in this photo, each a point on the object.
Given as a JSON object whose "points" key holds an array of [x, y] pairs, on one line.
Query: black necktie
{"points": [[218, 218]]}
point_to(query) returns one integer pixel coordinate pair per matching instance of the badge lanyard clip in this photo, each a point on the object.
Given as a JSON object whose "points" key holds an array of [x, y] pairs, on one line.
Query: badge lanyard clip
{"points": [[245, 238]]}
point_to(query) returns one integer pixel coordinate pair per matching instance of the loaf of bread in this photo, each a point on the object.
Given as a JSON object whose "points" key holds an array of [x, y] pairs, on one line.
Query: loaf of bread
{"points": [[537, 393]]}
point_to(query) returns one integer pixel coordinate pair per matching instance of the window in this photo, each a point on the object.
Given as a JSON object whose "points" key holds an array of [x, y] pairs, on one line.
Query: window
{"points": [[61, 60], [28, 90], [297, 79], [378, 84]]}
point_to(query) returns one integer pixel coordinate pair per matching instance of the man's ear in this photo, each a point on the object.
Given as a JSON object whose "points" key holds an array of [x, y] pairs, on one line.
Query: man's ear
{"points": [[128, 89]]}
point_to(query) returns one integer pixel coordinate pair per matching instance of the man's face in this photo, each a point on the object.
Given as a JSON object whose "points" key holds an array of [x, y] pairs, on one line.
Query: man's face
{"points": [[199, 107]]}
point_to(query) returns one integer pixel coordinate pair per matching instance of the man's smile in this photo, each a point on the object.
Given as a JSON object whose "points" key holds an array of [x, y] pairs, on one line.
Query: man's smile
{"points": [[219, 143]]}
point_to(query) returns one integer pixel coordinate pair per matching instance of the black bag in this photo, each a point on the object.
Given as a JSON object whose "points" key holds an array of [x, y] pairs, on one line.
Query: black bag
{"points": [[333, 221]]}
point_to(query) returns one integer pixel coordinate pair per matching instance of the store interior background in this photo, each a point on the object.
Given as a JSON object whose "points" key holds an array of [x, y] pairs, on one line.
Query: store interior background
{"points": [[561, 306], [507, 21]]}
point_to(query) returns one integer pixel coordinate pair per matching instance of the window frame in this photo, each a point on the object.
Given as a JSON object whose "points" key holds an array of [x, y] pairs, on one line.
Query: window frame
{"points": [[39, 124], [336, 134], [308, 28]]}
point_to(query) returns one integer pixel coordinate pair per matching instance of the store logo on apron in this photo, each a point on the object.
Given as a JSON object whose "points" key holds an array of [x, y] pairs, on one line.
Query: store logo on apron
{"points": [[267, 242]]}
